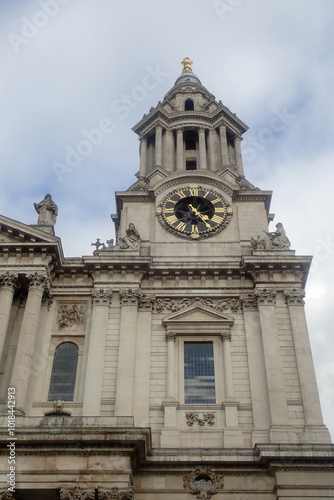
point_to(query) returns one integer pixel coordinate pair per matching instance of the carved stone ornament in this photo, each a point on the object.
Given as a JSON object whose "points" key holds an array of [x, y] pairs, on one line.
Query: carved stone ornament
{"points": [[226, 336], [77, 494], [116, 493], [203, 482], [8, 279], [70, 315], [170, 337], [258, 243], [141, 185], [101, 296], [249, 301], [37, 280], [294, 296], [132, 239], [174, 305], [266, 296], [6, 495], [47, 211], [201, 420], [146, 302], [278, 240], [129, 296]]}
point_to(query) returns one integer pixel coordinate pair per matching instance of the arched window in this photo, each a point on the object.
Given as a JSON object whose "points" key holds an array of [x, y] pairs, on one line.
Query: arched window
{"points": [[189, 105], [64, 371]]}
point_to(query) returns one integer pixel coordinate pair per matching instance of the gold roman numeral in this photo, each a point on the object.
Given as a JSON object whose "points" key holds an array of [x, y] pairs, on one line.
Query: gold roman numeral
{"points": [[181, 226], [217, 218], [194, 229], [217, 200], [193, 191], [180, 193], [171, 210], [220, 210], [171, 219]]}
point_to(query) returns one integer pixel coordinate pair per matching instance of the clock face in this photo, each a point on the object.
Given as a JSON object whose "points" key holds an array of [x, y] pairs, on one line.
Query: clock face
{"points": [[194, 212]]}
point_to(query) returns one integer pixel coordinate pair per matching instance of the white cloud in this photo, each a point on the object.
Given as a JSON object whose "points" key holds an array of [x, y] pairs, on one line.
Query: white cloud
{"points": [[262, 56]]}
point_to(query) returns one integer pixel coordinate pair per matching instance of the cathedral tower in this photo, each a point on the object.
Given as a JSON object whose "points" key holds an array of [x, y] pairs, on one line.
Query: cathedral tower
{"points": [[174, 361]]}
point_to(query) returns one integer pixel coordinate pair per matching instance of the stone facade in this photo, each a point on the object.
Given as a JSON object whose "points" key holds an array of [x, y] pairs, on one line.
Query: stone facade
{"points": [[193, 265]]}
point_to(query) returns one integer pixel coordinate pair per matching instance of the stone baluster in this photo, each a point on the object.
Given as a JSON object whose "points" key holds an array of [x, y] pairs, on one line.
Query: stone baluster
{"points": [[8, 281], [27, 339]]}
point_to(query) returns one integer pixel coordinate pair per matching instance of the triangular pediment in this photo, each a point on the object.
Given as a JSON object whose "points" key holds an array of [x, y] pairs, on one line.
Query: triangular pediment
{"points": [[198, 314], [12, 231]]}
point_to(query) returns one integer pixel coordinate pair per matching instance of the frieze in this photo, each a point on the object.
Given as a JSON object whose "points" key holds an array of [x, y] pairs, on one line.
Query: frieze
{"points": [[203, 482], [70, 315], [116, 493], [201, 420], [294, 296], [229, 304]]}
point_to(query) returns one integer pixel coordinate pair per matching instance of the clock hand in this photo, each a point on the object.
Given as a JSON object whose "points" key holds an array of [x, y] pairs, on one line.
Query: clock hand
{"points": [[204, 218]]}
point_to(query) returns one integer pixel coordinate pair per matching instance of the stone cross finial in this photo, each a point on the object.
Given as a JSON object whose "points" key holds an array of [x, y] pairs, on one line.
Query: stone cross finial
{"points": [[187, 62]]}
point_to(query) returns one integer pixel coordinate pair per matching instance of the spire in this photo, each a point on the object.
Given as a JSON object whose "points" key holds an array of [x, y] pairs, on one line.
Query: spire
{"points": [[187, 75]]}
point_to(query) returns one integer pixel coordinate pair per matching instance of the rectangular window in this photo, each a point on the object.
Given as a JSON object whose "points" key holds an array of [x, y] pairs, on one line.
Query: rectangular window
{"points": [[199, 376]]}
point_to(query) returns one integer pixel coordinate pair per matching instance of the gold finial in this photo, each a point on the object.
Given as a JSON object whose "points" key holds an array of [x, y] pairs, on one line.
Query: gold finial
{"points": [[187, 62]]}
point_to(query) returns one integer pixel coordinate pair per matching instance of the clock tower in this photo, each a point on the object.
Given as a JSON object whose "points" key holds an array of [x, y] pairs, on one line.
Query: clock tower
{"points": [[176, 360]]}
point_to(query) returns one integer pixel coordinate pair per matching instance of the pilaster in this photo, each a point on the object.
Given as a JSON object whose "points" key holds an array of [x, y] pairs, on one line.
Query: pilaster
{"points": [[143, 156], [179, 149], [126, 353], [158, 146], [8, 282], [27, 339], [97, 342], [223, 146], [202, 148], [238, 156]]}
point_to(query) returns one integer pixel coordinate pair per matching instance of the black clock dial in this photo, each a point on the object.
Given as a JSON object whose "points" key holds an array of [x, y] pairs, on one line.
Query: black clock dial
{"points": [[193, 212]]}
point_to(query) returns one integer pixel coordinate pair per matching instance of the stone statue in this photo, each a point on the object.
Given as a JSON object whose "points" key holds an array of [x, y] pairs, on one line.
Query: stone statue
{"points": [[132, 238], [47, 211], [278, 239], [258, 243]]}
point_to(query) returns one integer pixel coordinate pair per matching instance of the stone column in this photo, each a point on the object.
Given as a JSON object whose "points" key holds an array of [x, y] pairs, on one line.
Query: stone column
{"points": [[8, 282], [179, 149], [306, 374], [238, 156], [158, 146], [214, 160], [169, 151], [27, 339], [202, 148], [257, 371], [272, 358], [143, 156], [232, 433], [223, 146], [126, 353], [96, 353], [170, 338]]}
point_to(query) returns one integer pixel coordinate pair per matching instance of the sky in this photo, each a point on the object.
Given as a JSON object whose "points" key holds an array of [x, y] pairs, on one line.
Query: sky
{"points": [[71, 68]]}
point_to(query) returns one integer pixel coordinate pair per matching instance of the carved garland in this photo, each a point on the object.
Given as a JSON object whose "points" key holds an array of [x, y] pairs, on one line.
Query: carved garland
{"points": [[203, 482], [97, 494], [173, 305], [205, 419]]}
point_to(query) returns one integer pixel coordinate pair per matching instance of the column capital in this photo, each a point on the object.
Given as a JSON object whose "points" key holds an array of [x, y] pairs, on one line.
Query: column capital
{"points": [[266, 296], [101, 296], [38, 280], [294, 296], [249, 302], [8, 279], [129, 296], [169, 131], [224, 336], [170, 337]]}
